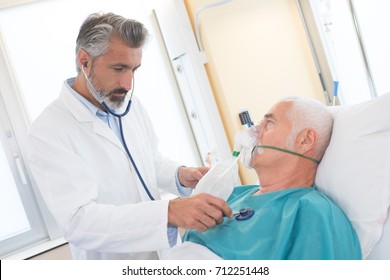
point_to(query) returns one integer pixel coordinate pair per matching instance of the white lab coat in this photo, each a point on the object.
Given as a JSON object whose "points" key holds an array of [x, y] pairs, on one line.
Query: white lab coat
{"points": [[90, 186]]}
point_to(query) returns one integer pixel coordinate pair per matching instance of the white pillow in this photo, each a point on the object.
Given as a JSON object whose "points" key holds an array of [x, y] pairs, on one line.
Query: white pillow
{"points": [[355, 170]]}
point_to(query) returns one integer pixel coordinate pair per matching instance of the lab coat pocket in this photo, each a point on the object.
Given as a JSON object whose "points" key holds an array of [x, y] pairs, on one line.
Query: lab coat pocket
{"points": [[146, 166]]}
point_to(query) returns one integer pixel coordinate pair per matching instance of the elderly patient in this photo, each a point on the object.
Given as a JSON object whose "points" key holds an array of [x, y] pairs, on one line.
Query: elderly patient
{"points": [[292, 219]]}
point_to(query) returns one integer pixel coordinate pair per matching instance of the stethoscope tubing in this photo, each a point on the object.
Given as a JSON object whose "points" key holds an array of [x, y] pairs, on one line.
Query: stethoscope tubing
{"points": [[119, 116], [128, 151]]}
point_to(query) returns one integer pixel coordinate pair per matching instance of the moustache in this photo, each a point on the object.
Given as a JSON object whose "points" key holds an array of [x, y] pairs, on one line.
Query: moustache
{"points": [[119, 90]]}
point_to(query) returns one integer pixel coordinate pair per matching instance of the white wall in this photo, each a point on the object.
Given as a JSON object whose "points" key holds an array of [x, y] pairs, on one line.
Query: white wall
{"points": [[257, 52]]}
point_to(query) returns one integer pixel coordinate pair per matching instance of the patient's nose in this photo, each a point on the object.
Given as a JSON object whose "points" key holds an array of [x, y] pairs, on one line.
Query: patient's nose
{"points": [[259, 129]]}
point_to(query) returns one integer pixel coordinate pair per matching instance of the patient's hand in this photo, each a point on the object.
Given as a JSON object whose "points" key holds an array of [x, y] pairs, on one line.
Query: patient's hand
{"points": [[198, 212]]}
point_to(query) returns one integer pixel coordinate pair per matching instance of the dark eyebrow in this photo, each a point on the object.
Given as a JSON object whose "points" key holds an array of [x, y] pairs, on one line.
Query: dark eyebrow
{"points": [[127, 66], [269, 116]]}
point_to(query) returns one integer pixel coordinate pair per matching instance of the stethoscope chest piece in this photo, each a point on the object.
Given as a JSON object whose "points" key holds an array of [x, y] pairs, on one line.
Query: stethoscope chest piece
{"points": [[245, 214]]}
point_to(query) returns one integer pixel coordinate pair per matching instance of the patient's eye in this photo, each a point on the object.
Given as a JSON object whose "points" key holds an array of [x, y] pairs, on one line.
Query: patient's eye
{"points": [[260, 125], [268, 124]]}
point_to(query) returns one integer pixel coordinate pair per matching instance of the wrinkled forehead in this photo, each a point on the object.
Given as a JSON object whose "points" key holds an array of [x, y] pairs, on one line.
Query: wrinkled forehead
{"points": [[280, 110]]}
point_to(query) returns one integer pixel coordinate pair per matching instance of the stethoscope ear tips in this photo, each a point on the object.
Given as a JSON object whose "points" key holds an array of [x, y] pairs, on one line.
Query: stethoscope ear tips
{"points": [[244, 214]]}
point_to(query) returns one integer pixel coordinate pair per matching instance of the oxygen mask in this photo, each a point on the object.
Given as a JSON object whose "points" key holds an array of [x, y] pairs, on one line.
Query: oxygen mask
{"points": [[244, 143]]}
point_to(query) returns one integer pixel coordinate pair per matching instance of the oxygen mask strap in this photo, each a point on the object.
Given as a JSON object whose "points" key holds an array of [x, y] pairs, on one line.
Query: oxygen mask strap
{"points": [[286, 151]]}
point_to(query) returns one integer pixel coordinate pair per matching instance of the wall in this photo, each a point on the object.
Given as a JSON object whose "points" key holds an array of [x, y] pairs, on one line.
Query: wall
{"points": [[257, 53]]}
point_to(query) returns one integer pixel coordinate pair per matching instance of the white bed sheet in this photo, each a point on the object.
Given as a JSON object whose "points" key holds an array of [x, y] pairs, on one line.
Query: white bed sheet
{"points": [[191, 251]]}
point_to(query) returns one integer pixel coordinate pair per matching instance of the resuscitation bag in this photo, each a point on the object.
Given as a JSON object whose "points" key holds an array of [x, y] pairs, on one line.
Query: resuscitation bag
{"points": [[220, 179]]}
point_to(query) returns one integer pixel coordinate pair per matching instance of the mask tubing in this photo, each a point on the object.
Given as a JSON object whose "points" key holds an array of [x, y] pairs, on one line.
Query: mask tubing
{"points": [[286, 151]]}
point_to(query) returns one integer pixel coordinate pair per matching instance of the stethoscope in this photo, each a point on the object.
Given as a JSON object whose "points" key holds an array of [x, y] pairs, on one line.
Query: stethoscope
{"points": [[244, 214], [119, 116]]}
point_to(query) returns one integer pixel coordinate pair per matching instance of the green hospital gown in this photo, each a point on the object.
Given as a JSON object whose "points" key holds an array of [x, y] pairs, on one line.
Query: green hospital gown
{"points": [[299, 223]]}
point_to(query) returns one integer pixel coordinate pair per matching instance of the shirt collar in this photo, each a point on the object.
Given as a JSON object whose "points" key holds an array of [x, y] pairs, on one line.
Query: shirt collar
{"points": [[92, 108]]}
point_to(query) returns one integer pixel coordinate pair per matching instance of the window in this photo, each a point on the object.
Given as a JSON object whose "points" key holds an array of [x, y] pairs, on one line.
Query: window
{"points": [[10, 202], [20, 218], [350, 44]]}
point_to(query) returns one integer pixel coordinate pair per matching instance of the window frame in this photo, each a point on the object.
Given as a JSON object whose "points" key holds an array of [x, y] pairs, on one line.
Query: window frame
{"points": [[15, 123], [320, 55]]}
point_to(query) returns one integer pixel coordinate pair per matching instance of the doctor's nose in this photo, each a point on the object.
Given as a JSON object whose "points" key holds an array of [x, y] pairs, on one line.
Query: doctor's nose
{"points": [[127, 82]]}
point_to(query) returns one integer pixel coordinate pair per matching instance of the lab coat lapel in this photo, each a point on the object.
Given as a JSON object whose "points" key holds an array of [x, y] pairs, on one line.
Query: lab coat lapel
{"points": [[83, 115]]}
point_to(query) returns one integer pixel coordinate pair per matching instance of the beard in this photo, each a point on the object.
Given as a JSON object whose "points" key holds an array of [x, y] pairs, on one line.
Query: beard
{"points": [[112, 101]]}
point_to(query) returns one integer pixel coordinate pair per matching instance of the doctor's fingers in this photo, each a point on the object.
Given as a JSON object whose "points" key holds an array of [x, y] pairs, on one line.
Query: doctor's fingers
{"points": [[189, 176], [210, 210], [217, 203], [198, 212]]}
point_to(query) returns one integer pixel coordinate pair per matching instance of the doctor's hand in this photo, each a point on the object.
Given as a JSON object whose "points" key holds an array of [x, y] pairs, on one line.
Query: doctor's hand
{"points": [[199, 212], [190, 176]]}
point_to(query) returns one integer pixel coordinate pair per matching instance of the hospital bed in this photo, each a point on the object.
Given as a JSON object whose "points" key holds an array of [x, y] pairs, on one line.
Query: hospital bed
{"points": [[354, 172]]}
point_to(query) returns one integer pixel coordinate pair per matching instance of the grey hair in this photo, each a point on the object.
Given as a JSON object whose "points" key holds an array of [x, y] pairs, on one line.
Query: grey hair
{"points": [[308, 113], [98, 29]]}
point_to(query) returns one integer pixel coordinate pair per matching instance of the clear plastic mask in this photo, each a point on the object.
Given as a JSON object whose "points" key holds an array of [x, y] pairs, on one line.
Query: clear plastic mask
{"points": [[244, 143]]}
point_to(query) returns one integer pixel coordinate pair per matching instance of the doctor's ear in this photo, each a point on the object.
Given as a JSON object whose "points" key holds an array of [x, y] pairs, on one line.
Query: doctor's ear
{"points": [[83, 58]]}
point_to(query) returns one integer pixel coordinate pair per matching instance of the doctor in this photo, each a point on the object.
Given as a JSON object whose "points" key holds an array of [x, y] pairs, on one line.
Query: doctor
{"points": [[97, 164]]}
